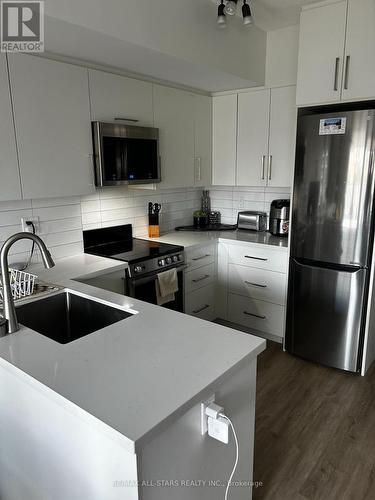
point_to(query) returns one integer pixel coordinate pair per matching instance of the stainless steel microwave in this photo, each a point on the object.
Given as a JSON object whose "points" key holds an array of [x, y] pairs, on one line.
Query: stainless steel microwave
{"points": [[125, 154]]}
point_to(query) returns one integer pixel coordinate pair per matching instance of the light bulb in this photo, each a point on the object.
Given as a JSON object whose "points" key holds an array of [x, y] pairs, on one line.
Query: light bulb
{"points": [[221, 20], [246, 13], [231, 7]]}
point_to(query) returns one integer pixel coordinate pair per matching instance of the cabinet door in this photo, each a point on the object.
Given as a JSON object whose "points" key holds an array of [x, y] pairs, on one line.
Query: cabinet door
{"points": [[10, 184], [224, 140], [174, 116], [320, 58], [202, 140], [283, 120], [252, 145], [52, 119], [114, 97], [359, 74]]}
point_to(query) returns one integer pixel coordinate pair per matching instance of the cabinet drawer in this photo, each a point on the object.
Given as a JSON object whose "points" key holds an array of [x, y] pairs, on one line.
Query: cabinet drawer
{"points": [[200, 257], [199, 277], [257, 283], [256, 314], [261, 258], [201, 303]]}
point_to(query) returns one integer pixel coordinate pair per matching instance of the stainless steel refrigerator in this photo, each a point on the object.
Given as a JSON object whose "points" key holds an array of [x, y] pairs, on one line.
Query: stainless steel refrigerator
{"points": [[331, 238]]}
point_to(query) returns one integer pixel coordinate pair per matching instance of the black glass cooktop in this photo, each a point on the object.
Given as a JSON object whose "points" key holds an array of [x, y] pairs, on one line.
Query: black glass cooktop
{"points": [[117, 243]]}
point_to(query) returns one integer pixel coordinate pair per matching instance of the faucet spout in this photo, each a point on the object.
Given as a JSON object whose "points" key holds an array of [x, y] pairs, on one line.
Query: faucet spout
{"points": [[8, 302]]}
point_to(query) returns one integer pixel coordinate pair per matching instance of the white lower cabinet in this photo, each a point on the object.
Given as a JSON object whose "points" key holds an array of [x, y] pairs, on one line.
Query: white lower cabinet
{"points": [[200, 277], [242, 283], [201, 303], [268, 258], [257, 283], [200, 280], [256, 314]]}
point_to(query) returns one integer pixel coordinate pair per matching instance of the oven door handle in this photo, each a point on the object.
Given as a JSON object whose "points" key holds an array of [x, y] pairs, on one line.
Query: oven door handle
{"points": [[154, 277]]}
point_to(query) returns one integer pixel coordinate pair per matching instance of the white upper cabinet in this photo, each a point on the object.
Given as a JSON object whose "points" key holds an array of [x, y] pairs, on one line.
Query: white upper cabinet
{"points": [[321, 53], [10, 185], [52, 120], [282, 138], [359, 74], [224, 140], [252, 145], [174, 116], [262, 153], [116, 97], [202, 140], [336, 55]]}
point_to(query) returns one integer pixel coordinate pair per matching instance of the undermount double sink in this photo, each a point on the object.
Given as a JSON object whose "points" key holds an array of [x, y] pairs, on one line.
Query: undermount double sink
{"points": [[66, 316]]}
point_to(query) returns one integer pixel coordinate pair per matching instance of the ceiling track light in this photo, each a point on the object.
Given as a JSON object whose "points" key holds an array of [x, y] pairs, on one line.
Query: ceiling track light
{"points": [[221, 19], [246, 14], [231, 7]]}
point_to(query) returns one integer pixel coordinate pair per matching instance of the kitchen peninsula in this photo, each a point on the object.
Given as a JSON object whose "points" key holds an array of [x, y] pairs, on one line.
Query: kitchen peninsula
{"points": [[119, 411]]}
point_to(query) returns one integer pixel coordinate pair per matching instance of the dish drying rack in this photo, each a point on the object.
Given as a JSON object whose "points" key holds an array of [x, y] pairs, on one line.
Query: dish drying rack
{"points": [[21, 284]]}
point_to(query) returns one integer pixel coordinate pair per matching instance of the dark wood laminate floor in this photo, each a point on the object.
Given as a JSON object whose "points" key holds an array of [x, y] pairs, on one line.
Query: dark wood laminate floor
{"points": [[315, 431]]}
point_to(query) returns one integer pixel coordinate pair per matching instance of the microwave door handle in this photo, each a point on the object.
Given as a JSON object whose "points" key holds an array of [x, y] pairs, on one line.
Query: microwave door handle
{"points": [[124, 157]]}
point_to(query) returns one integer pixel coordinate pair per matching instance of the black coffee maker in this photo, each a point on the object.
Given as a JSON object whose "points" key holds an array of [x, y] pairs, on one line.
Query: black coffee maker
{"points": [[279, 217]]}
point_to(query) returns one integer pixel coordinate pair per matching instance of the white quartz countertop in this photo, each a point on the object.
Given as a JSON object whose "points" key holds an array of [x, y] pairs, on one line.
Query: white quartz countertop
{"points": [[134, 376], [194, 238]]}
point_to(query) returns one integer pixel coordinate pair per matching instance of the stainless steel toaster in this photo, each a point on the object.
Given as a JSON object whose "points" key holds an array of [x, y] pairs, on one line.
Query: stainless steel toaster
{"points": [[254, 221]]}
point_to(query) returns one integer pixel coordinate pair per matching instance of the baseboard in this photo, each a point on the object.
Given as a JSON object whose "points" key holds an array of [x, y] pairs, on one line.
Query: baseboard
{"points": [[257, 333]]}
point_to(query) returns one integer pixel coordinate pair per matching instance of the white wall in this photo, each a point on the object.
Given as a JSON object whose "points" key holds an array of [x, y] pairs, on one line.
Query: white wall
{"points": [[282, 56]]}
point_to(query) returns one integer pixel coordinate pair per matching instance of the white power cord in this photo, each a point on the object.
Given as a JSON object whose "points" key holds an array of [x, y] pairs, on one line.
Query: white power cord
{"points": [[236, 460]]}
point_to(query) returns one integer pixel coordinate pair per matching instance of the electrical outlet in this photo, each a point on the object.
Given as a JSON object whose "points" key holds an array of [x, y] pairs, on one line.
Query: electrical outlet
{"points": [[241, 202], [29, 229], [204, 418], [218, 428]]}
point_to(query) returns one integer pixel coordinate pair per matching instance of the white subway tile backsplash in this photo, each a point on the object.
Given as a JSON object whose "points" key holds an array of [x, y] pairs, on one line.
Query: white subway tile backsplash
{"points": [[61, 225], [115, 203], [63, 219], [58, 212], [91, 218], [13, 217], [55, 202], [90, 206], [14, 205], [62, 251], [66, 237]]}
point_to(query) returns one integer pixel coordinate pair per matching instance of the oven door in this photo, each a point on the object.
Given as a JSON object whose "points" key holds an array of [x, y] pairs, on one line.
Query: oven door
{"points": [[144, 289]]}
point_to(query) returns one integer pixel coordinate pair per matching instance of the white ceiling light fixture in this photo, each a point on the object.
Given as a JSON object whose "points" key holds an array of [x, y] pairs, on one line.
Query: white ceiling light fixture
{"points": [[221, 18], [231, 7], [246, 14]]}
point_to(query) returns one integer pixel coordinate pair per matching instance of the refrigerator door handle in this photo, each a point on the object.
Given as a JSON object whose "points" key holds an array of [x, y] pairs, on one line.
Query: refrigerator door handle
{"points": [[348, 268]]}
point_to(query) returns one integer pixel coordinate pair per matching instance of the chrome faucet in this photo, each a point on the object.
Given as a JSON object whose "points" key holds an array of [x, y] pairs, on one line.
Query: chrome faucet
{"points": [[8, 302]]}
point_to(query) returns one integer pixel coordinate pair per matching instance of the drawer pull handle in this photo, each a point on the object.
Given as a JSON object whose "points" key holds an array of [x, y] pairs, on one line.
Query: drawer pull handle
{"points": [[255, 284], [255, 315], [206, 306], [201, 279], [255, 258], [202, 257]]}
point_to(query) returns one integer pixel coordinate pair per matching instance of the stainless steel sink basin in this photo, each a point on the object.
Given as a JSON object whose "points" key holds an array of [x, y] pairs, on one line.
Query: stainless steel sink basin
{"points": [[65, 317]]}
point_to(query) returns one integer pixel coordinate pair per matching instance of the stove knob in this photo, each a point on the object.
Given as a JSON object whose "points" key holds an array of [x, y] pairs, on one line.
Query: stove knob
{"points": [[175, 258], [138, 269], [180, 257], [161, 262], [168, 260]]}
